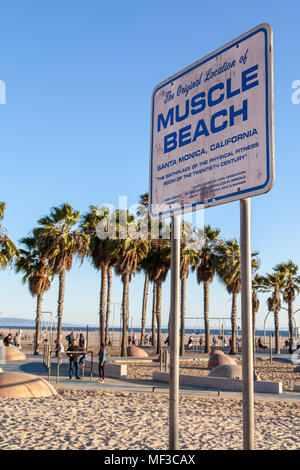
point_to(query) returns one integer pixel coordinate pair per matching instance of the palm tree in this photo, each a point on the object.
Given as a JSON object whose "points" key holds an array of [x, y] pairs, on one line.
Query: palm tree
{"points": [[101, 259], [142, 267], [274, 283], [8, 250], [206, 271], [38, 275], [257, 286], [143, 213], [189, 256], [228, 267], [158, 264], [129, 253], [58, 241], [291, 276], [108, 300], [154, 302]]}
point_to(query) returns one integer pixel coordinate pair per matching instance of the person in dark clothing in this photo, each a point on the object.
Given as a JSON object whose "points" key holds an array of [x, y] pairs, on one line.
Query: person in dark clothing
{"points": [[81, 341], [70, 338], [82, 348], [260, 344], [8, 340], [102, 361], [73, 360]]}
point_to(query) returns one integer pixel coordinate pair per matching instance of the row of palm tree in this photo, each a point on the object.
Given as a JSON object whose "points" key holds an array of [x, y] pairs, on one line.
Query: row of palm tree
{"points": [[64, 235], [282, 284]]}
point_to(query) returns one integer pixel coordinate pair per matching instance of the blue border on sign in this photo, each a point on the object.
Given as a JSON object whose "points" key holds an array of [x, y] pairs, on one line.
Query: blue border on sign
{"points": [[245, 191]]}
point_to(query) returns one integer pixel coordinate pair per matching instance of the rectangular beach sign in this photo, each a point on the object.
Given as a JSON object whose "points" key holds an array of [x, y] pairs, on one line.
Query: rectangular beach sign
{"points": [[212, 128]]}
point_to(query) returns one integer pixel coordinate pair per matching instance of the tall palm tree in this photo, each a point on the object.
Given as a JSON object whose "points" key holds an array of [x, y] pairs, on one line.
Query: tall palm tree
{"points": [[59, 241], [143, 213], [129, 253], [38, 275], [291, 287], [153, 323], [206, 271], [102, 260], [143, 268], [189, 256], [228, 267], [158, 263], [108, 300], [257, 286], [8, 250], [274, 283]]}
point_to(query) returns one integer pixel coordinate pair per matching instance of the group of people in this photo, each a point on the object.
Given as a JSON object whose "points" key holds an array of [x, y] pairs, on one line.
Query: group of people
{"points": [[225, 344], [16, 341], [77, 354]]}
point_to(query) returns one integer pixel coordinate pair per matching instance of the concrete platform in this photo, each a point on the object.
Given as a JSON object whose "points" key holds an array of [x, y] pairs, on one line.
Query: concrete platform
{"points": [[219, 383], [112, 369]]}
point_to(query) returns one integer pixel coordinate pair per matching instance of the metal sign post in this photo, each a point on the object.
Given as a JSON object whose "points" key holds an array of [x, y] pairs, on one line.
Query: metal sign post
{"points": [[247, 338], [174, 335]]}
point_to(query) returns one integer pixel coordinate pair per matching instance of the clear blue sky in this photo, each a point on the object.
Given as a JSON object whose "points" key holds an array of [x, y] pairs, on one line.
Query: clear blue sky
{"points": [[76, 126]]}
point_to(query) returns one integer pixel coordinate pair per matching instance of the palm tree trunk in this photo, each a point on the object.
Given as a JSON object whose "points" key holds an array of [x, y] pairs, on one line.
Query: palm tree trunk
{"points": [[102, 304], [233, 325], [61, 295], [206, 316], [37, 324], [125, 313], [291, 321], [158, 315], [253, 331], [144, 310], [153, 315], [109, 280], [276, 328], [182, 314]]}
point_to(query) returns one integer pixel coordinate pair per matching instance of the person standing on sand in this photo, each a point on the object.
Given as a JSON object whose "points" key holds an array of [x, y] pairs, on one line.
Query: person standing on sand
{"points": [[58, 350], [17, 340], [102, 361], [8, 340], [73, 360], [70, 338], [82, 348]]}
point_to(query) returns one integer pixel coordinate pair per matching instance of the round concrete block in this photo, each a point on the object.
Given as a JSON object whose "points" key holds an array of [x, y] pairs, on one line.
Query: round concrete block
{"points": [[21, 385], [133, 351], [229, 371], [218, 358], [13, 354]]}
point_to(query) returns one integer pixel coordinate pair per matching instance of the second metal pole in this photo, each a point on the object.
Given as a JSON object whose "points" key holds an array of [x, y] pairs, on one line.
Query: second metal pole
{"points": [[247, 338], [174, 335]]}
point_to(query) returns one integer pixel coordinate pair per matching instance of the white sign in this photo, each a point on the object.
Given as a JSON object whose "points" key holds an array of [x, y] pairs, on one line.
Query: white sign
{"points": [[212, 128]]}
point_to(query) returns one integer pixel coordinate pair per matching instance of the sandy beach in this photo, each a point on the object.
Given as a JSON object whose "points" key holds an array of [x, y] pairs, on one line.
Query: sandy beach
{"points": [[77, 419], [94, 417]]}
